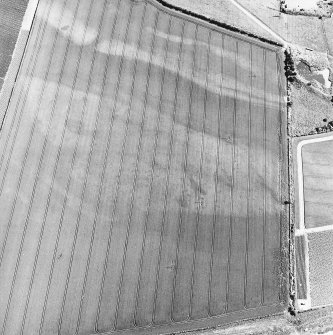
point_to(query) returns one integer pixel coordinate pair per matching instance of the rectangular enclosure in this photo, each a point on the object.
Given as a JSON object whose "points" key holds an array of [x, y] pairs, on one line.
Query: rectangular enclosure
{"points": [[318, 183], [314, 222]]}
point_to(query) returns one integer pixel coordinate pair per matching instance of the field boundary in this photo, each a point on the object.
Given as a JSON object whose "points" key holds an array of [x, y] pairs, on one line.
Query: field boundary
{"points": [[215, 25], [300, 187], [17, 58], [300, 229], [223, 320], [285, 232], [259, 22]]}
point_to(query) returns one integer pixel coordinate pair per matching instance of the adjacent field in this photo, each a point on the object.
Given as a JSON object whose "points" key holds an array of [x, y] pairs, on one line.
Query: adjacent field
{"points": [[314, 221], [141, 166], [11, 15], [320, 268], [318, 184]]}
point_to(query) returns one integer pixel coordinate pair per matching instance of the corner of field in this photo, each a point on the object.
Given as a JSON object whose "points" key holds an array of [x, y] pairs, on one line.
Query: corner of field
{"points": [[17, 57]]}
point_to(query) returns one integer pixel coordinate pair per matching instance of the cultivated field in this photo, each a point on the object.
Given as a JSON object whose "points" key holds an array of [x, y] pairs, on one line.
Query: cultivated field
{"points": [[318, 184], [141, 164], [314, 222]]}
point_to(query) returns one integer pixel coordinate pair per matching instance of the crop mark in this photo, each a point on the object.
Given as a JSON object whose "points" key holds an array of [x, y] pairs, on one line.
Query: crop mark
{"points": [[153, 165], [65, 197], [30, 62], [137, 163], [185, 161], [49, 194], [27, 148], [248, 179], [200, 178], [115, 200], [154, 224], [123, 152], [88, 162], [265, 179], [100, 184], [218, 148], [166, 194], [231, 219]]}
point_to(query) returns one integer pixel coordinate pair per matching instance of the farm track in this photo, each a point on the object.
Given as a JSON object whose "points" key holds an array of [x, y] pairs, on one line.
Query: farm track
{"points": [[141, 173]]}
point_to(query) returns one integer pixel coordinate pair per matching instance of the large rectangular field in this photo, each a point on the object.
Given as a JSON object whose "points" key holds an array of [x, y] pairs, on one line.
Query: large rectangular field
{"points": [[142, 164]]}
